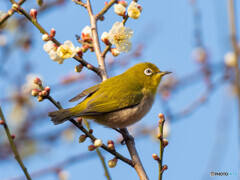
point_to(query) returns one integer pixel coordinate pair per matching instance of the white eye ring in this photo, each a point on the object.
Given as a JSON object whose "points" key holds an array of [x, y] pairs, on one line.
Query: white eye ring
{"points": [[148, 72]]}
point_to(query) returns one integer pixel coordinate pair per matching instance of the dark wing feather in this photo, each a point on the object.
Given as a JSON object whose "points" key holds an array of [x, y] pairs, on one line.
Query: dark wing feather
{"points": [[85, 93]]}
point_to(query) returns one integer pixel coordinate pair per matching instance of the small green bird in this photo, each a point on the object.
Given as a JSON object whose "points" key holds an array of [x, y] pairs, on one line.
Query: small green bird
{"points": [[119, 101]]}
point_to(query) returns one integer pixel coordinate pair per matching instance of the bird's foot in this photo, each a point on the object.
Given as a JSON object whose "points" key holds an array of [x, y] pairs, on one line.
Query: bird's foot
{"points": [[126, 136]]}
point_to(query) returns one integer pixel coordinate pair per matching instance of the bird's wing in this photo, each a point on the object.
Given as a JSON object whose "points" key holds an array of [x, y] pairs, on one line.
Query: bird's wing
{"points": [[88, 91], [105, 103]]}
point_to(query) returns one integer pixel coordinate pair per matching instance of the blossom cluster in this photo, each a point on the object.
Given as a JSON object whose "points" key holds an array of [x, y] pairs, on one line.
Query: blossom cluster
{"points": [[134, 9]]}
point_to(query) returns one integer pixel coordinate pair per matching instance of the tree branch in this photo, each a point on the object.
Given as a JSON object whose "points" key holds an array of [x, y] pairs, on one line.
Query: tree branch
{"points": [[13, 146], [96, 45], [134, 156]]}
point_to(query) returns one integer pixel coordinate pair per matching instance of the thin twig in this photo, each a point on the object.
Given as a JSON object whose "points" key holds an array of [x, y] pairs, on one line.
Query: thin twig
{"points": [[80, 3], [161, 124], [13, 146], [105, 9], [10, 12], [108, 47], [100, 156]]}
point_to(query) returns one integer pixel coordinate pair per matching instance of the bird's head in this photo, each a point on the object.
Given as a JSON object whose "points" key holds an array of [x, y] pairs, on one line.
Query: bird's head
{"points": [[147, 74]]}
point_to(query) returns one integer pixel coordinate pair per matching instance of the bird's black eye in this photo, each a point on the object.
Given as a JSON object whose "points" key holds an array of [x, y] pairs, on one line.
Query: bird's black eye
{"points": [[148, 72]]}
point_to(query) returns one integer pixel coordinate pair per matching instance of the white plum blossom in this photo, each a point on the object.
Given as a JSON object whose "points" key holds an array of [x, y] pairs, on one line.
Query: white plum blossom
{"points": [[134, 10], [55, 57], [66, 50], [119, 9], [87, 34], [120, 37], [230, 59], [48, 46], [105, 37]]}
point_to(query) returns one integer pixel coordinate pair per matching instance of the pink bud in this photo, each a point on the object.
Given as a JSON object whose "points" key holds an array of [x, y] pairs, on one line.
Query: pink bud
{"points": [[89, 66], [140, 8], [33, 13], [79, 120], [2, 122], [161, 116], [84, 48], [82, 138], [155, 157], [52, 32], [35, 92], [44, 93], [164, 168], [105, 3], [91, 147], [90, 131], [124, 3], [112, 163], [78, 68], [37, 81], [111, 147], [47, 88], [101, 18], [79, 52], [165, 143], [40, 98], [110, 142], [13, 136]]}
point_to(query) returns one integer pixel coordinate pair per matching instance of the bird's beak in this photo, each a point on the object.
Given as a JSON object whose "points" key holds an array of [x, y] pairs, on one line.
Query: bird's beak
{"points": [[163, 73]]}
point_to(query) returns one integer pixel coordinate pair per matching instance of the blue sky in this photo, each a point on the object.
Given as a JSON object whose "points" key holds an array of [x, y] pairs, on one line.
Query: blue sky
{"points": [[166, 27]]}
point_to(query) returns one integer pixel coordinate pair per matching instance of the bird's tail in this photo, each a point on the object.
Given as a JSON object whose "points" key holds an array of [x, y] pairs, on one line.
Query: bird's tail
{"points": [[60, 116]]}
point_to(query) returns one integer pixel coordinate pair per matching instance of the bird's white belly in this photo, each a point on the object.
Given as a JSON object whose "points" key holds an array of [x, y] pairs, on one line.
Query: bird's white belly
{"points": [[128, 116]]}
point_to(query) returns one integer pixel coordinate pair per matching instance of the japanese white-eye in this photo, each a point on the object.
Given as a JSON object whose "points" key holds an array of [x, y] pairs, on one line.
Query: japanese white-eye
{"points": [[119, 101]]}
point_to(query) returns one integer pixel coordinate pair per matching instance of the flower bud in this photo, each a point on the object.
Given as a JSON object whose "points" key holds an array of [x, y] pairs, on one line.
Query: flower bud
{"points": [[119, 9], [13, 136], [101, 18], [89, 66], [87, 34], [105, 38], [2, 122], [199, 54], [98, 143], [40, 2], [44, 93], [46, 37], [10, 12], [35, 92], [124, 3], [165, 143], [115, 52], [161, 116], [82, 138], [230, 59], [52, 32], [79, 52], [159, 136], [90, 131], [110, 142], [79, 120], [91, 49], [78, 68], [15, 7], [111, 147], [155, 157], [84, 48], [47, 88], [112, 163], [40, 98], [91, 147], [33, 13], [105, 3], [140, 8], [164, 168], [37, 81]]}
